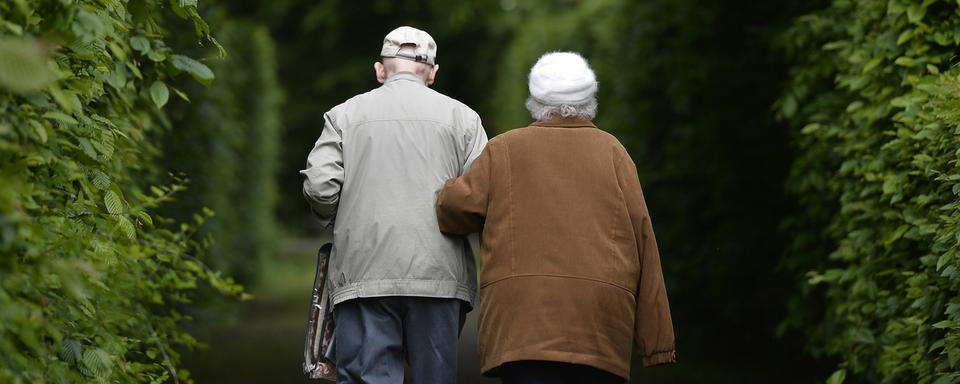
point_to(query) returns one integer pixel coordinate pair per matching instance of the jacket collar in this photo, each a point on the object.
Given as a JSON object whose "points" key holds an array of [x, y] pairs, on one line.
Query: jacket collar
{"points": [[404, 76], [564, 122]]}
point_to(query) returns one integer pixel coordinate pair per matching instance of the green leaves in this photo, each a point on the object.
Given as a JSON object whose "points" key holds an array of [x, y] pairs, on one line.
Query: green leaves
{"points": [[71, 351], [238, 115], [92, 276], [905, 61], [61, 117], [198, 70], [837, 377], [140, 44], [915, 12], [184, 8], [126, 227], [159, 93], [789, 106], [113, 203], [23, 65], [100, 180], [115, 206], [96, 363], [879, 191]]}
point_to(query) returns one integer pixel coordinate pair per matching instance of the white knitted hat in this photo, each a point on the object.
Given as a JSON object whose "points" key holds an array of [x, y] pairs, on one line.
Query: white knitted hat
{"points": [[562, 78]]}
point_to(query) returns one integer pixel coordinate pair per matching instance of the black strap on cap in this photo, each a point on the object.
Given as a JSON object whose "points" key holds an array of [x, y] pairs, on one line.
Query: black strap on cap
{"points": [[418, 58]]}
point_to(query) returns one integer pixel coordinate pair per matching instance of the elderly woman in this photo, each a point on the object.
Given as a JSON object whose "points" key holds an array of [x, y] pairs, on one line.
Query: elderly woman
{"points": [[570, 271]]}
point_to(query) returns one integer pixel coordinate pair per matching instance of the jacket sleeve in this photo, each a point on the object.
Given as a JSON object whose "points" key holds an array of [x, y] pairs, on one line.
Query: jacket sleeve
{"points": [[462, 202], [323, 176], [476, 141], [653, 325]]}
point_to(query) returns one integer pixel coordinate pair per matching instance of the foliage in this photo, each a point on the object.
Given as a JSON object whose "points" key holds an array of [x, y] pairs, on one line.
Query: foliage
{"points": [[226, 140], [90, 277], [877, 179]]}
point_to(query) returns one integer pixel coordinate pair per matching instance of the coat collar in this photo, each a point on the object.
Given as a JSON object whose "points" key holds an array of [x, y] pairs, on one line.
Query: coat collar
{"points": [[564, 122], [408, 76]]}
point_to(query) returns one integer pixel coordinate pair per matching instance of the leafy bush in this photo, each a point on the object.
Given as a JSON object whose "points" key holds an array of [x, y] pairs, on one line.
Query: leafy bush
{"points": [[90, 278], [878, 184], [226, 141]]}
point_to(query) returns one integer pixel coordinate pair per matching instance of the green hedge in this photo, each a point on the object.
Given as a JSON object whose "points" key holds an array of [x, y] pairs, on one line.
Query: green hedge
{"points": [[874, 104], [90, 277], [226, 140]]}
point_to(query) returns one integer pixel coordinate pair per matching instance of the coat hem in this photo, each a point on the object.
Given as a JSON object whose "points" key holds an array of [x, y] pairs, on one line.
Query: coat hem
{"points": [[421, 288], [492, 368]]}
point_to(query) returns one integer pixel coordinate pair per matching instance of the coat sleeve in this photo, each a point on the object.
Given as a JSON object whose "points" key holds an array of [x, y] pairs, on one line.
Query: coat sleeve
{"points": [[476, 141], [653, 325], [462, 202], [323, 176]]}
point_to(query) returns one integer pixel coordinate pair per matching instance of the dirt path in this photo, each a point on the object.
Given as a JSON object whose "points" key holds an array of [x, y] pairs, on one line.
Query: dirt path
{"points": [[265, 345]]}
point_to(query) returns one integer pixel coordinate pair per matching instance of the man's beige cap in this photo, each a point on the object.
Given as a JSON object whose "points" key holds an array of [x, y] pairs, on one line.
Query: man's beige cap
{"points": [[425, 52]]}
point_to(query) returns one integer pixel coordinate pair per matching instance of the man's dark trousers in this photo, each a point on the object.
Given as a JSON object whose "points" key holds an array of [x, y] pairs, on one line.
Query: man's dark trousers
{"points": [[375, 336]]}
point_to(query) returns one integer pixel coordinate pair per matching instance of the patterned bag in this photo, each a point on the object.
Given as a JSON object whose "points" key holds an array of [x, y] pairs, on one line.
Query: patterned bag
{"points": [[318, 362]]}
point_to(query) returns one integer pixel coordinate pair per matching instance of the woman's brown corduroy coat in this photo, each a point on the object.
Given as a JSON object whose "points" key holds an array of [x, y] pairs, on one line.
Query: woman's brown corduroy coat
{"points": [[570, 270]]}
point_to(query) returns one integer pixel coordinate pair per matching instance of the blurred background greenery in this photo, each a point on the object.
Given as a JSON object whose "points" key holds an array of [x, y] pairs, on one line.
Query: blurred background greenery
{"points": [[687, 86], [799, 160]]}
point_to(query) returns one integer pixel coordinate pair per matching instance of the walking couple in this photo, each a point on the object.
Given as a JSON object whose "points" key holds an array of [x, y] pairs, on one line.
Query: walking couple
{"points": [[570, 274]]}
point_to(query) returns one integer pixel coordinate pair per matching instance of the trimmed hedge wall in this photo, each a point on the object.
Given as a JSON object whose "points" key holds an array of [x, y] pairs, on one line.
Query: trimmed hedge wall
{"points": [[873, 100], [90, 277], [226, 140]]}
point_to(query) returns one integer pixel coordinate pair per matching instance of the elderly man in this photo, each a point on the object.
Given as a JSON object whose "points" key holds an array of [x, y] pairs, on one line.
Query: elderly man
{"points": [[400, 288], [570, 271]]}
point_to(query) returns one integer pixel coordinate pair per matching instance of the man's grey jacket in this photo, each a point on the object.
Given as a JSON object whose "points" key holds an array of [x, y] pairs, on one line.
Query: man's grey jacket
{"points": [[374, 175]]}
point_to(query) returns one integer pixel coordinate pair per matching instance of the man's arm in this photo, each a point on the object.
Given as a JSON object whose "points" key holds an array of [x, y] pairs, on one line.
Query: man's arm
{"points": [[462, 203], [653, 327], [324, 173]]}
